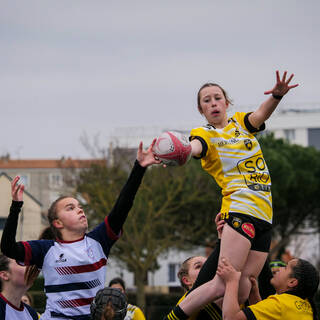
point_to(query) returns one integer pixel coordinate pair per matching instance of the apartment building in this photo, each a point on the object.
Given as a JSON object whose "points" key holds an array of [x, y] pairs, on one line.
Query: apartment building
{"points": [[44, 180]]}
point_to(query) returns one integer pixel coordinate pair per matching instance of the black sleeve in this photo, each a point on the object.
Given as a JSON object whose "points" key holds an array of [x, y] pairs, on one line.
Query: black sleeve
{"points": [[265, 287], [250, 127], [9, 246], [119, 212], [249, 314], [208, 270], [204, 146]]}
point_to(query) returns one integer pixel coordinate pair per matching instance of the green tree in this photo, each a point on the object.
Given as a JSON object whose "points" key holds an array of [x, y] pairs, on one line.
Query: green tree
{"points": [[174, 207], [295, 176]]}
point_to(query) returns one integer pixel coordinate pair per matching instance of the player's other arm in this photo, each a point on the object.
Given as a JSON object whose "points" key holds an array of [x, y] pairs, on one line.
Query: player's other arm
{"points": [[258, 117], [9, 246], [196, 147], [120, 210], [230, 309]]}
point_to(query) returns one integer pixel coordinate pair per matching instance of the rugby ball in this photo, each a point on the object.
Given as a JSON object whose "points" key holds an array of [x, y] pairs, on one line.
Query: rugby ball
{"points": [[172, 148]]}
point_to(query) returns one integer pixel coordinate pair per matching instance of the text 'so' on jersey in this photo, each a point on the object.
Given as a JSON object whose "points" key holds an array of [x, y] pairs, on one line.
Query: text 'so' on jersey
{"points": [[233, 157]]}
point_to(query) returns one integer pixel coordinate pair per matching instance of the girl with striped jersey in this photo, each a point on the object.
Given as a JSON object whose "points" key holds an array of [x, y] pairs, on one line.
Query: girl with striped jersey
{"points": [[74, 264]]}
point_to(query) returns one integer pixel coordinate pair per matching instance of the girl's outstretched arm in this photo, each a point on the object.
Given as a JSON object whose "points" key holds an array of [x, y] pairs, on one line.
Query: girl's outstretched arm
{"points": [[120, 211], [197, 147], [258, 117], [9, 246]]}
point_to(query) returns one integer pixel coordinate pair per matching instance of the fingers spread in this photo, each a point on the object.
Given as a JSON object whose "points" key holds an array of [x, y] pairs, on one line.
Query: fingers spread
{"points": [[290, 78], [284, 76]]}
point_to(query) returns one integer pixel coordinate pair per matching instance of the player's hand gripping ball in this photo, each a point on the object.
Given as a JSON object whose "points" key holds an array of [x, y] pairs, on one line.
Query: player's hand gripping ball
{"points": [[172, 148]]}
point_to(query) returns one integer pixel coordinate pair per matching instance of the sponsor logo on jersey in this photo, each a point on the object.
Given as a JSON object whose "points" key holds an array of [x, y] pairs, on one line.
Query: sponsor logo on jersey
{"points": [[236, 222], [248, 229], [222, 143], [90, 253], [248, 143], [303, 305], [61, 258]]}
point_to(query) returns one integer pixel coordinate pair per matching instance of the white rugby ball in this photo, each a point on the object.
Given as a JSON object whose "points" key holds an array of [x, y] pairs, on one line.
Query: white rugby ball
{"points": [[172, 148]]}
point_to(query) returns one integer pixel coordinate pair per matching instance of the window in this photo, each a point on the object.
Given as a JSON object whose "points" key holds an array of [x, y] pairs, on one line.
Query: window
{"points": [[173, 270], [56, 180], [289, 134], [314, 138], [2, 223], [24, 179]]}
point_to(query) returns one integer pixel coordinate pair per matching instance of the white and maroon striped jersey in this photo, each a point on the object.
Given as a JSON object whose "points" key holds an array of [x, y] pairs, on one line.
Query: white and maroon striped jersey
{"points": [[9, 312], [73, 271]]}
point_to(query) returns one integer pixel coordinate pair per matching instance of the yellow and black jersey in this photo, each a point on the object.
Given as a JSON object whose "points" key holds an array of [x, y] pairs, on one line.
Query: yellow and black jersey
{"points": [[233, 157], [134, 313], [282, 306], [210, 311]]}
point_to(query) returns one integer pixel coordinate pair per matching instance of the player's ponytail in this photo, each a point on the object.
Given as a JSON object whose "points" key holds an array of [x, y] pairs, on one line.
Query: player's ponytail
{"points": [[308, 282], [52, 215], [31, 275]]}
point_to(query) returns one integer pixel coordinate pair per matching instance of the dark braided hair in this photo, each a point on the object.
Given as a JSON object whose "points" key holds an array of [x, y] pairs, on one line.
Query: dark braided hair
{"points": [[308, 282]]}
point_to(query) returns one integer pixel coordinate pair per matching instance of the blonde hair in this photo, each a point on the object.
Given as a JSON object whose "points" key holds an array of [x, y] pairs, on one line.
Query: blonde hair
{"points": [[184, 271]]}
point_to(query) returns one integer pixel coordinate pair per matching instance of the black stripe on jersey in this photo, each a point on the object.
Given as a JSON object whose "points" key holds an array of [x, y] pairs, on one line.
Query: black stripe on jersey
{"points": [[204, 146], [249, 314], [73, 286], [250, 127], [78, 317], [214, 311]]}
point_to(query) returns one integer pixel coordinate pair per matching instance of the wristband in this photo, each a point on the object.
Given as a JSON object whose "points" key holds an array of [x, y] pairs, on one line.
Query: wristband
{"points": [[277, 97]]}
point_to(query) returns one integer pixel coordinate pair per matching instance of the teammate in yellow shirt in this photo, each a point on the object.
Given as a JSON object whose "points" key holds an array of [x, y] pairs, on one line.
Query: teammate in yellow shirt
{"points": [[198, 270], [231, 154], [188, 275], [296, 285]]}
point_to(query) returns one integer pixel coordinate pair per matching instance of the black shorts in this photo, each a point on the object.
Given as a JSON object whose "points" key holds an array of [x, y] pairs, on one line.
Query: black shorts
{"points": [[257, 231]]}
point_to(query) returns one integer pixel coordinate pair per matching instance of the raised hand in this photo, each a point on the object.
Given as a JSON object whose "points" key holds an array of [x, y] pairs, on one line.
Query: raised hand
{"points": [[146, 157], [254, 296], [282, 86], [219, 224], [17, 189]]}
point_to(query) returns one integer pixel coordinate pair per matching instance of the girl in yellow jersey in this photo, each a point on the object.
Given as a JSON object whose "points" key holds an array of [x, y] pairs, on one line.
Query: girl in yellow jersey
{"points": [[296, 285], [231, 154]]}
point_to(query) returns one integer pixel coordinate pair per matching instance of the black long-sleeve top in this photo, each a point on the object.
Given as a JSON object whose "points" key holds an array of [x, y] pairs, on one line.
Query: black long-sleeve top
{"points": [[116, 217]]}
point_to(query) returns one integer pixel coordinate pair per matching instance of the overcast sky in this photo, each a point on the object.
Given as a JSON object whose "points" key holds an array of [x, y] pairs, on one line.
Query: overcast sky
{"points": [[74, 66]]}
